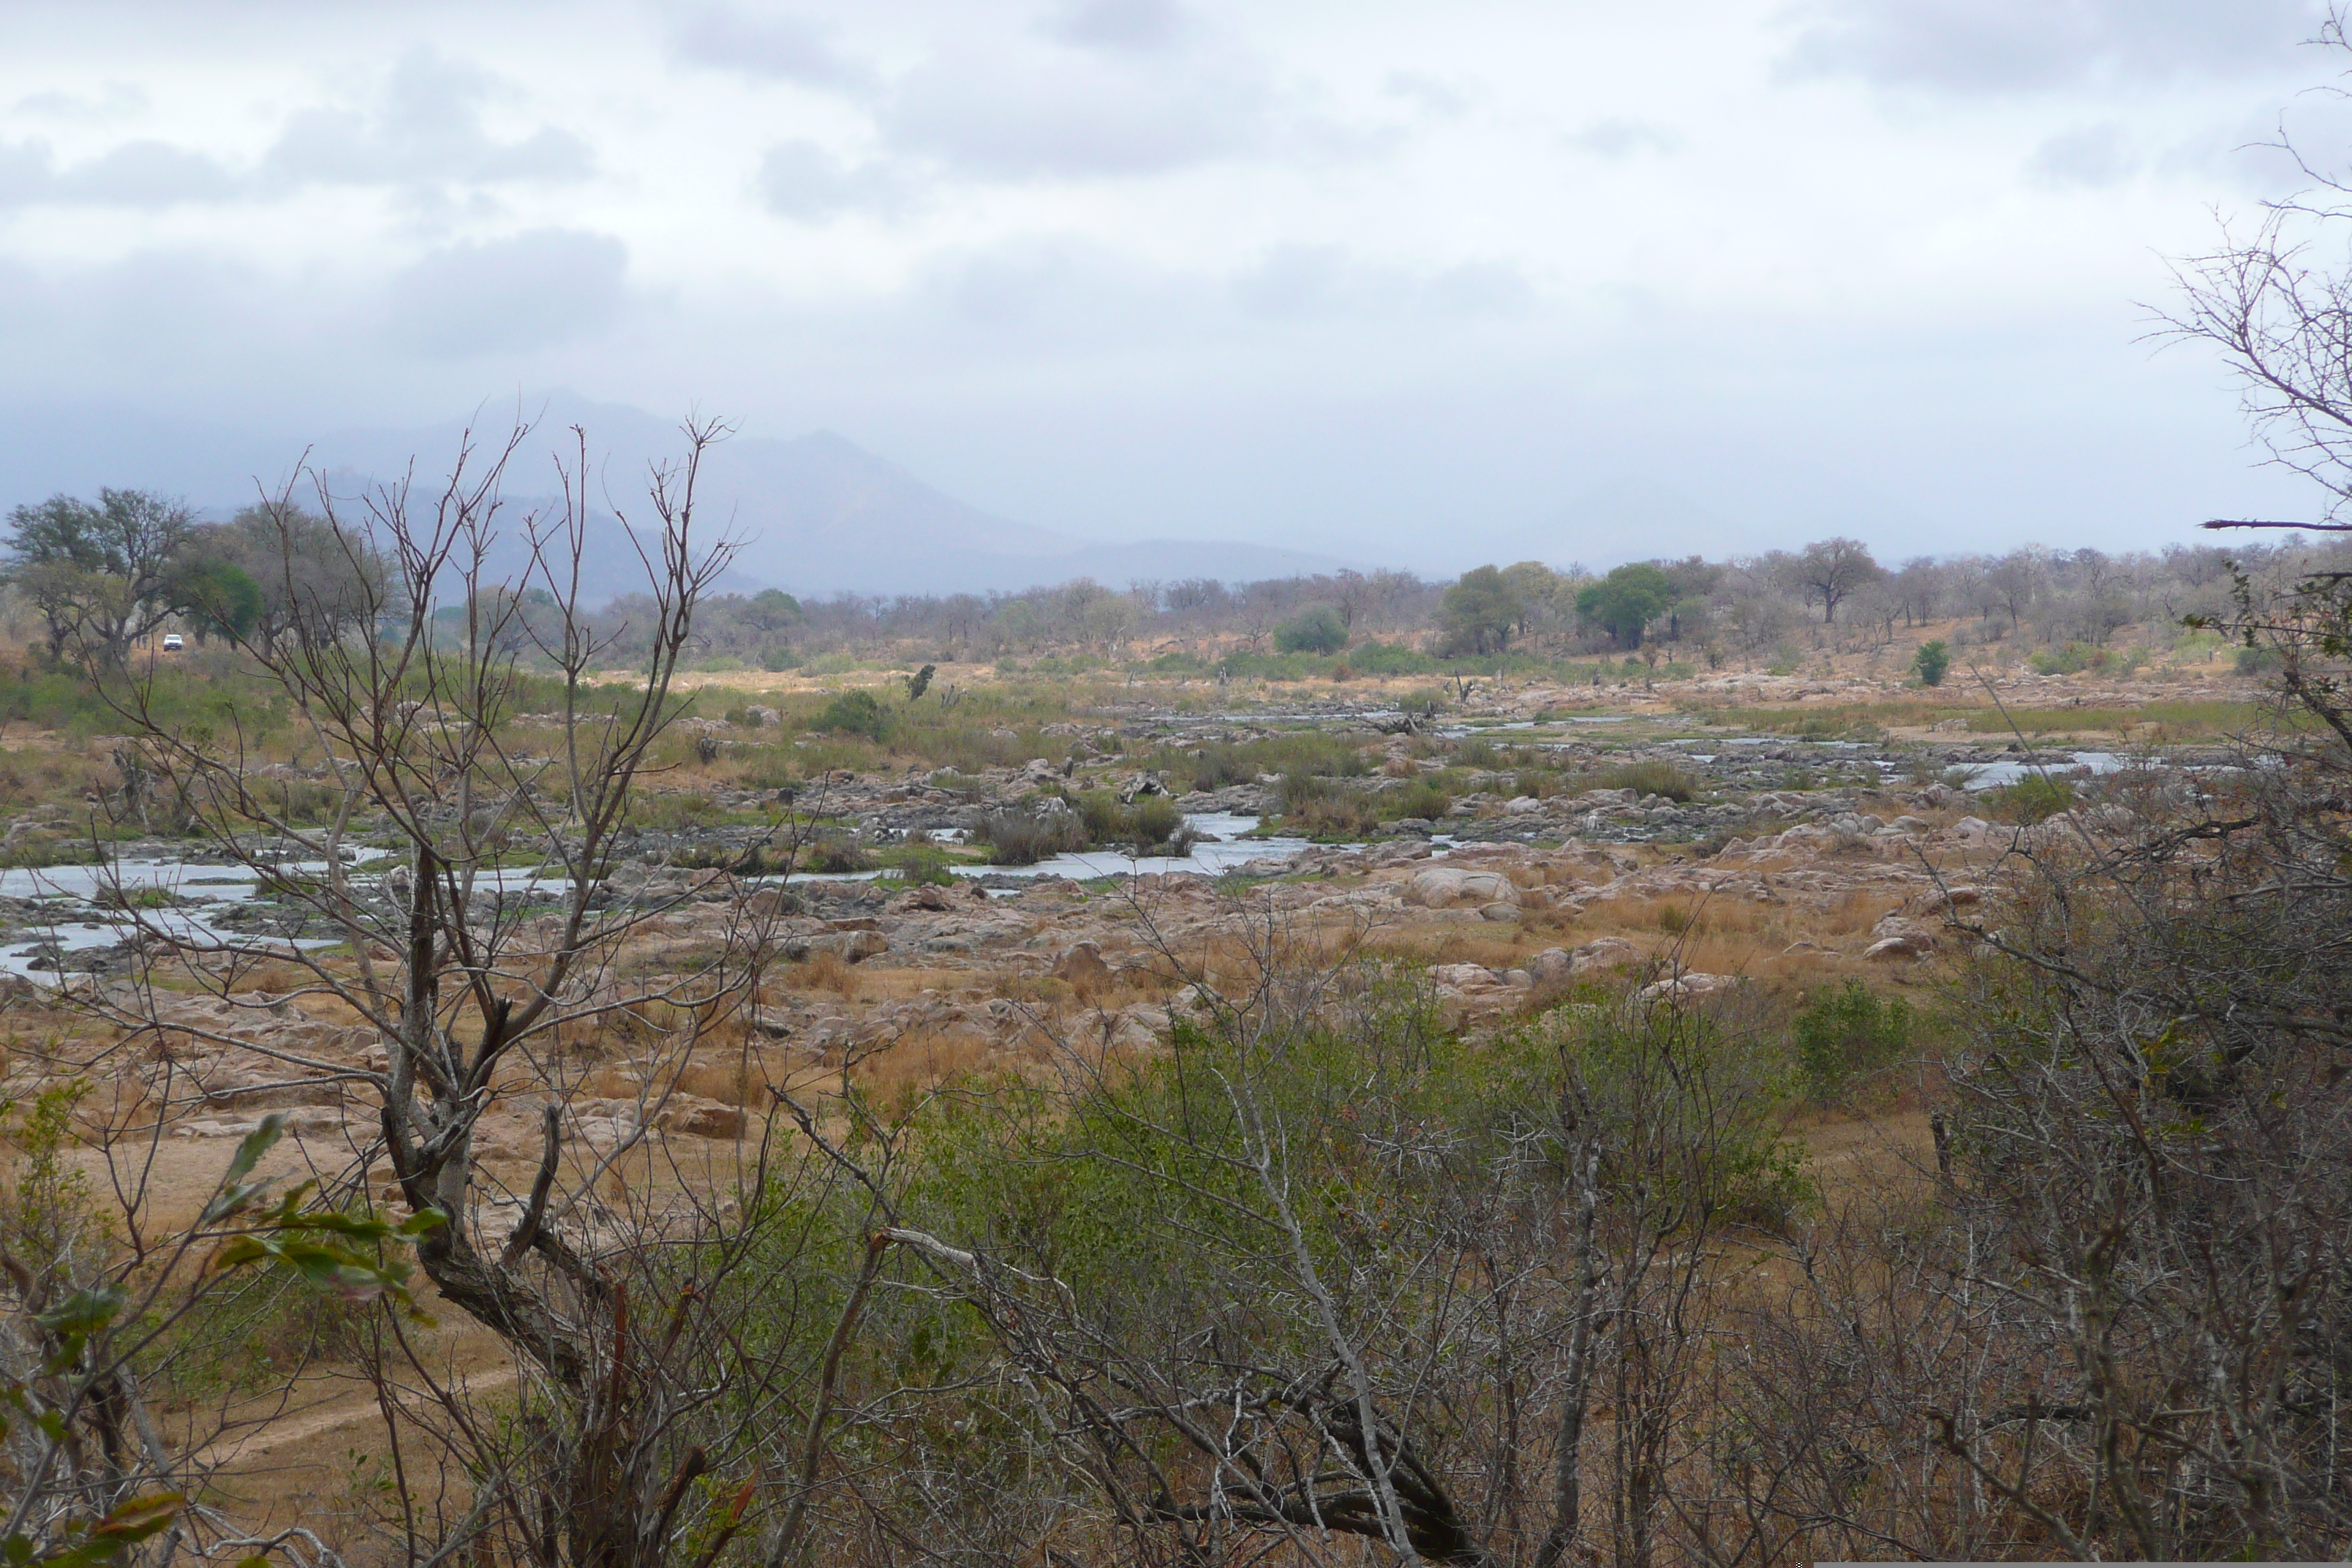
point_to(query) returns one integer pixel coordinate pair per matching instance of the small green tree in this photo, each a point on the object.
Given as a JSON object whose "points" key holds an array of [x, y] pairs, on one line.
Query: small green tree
{"points": [[1318, 630], [1932, 661], [772, 609], [854, 713], [1626, 601], [219, 600], [1479, 611], [99, 575], [1849, 1031]]}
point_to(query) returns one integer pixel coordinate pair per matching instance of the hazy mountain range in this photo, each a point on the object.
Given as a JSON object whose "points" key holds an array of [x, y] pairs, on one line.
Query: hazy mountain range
{"points": [[815, 514]]}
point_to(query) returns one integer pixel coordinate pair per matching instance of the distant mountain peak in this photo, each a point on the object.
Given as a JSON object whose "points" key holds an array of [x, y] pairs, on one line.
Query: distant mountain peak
{"points": [[815, 512]]}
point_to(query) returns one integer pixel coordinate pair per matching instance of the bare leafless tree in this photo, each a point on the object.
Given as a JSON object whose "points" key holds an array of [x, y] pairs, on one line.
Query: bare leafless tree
{"points": [[461, 716]]}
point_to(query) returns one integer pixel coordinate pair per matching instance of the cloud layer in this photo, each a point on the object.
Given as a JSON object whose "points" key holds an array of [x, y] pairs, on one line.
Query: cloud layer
{"points": [[1385, 279]]}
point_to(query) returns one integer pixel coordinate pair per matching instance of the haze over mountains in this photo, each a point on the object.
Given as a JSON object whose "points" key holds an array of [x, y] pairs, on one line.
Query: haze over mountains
{"points": [[816, 513]]}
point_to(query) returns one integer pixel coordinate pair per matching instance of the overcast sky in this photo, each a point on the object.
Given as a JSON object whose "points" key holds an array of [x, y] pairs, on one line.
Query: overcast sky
{"points": [[1406, 282]]}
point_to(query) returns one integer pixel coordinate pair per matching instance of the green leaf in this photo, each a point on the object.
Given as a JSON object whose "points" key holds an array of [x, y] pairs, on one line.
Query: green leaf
{"points": [[86, 1312], [235, 1194], [128, 1524]]}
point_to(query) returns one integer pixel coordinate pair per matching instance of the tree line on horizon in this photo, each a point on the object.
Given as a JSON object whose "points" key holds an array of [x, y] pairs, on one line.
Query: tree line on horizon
{"points": [[101, 576]]}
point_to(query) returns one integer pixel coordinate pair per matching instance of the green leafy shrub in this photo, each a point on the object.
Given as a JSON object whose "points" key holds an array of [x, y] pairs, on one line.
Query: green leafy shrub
{"points": [[1422, 798], [2258, 660], [2033, 798], [1847, 1033], [1316, 630], [1017, 837], [672, 810], [1154, 822], [1303, 751], [915, 865], [1932, 661], [1314, 807], [1648, 777], [834, 853], [1100, 814], [2071, 659], [854, 713], [1395, 658]]}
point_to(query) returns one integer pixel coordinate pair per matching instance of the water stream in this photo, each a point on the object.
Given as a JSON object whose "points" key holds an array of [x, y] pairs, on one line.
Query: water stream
{"points": [[75, 915]]}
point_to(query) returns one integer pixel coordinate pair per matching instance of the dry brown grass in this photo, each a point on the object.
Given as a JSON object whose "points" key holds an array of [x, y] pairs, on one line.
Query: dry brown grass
{"points": [[737, 1080], [825, 971], [1768, 941], [921, 1059]]}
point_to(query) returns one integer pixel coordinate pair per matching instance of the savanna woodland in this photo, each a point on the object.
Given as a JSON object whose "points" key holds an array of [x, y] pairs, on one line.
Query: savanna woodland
{"points": [[1728, 1062]]}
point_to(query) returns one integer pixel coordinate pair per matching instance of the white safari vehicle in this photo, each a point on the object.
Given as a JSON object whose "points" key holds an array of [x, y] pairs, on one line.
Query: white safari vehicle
{"points": [[171, 643]]}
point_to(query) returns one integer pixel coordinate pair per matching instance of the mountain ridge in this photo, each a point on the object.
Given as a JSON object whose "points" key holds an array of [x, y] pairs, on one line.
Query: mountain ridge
{"points": [[815, 514]]}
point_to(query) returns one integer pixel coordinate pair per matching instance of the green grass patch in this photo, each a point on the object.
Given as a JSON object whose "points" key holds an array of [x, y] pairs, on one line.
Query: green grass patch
{"points": [[1651, 776], [2181, 720], [2031, 799], [1848, 1033]]}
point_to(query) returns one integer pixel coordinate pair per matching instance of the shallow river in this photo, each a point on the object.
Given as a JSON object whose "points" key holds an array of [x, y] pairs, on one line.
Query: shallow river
{"points": [[78, 922]]}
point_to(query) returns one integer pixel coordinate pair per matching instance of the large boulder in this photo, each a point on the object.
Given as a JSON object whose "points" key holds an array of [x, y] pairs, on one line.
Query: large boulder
{"points": [[1914, 937], [1082, 965], [1600, 955], [692, 1116], [1897, 937], [1459, 887], [1140, 1027], [850, 946], [1550, 966], [1682, 988]]}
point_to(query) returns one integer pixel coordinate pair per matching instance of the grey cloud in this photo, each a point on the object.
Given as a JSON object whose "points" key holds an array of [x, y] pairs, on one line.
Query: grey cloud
{"points": [[777, 46], [426, 130], [1430, 93], [1040, 297], [148, 174], [1026, 115], [801, 181], [2012, 46], [114, 100], [143, 174], [2093, 156], [2245, 156], [1049, 292], [1616, 137], [1293, 280], [1299, 282], [1479, 288], [154, 321], [1137, 24], [545, 287], [26, 170], [1014, 286]]}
